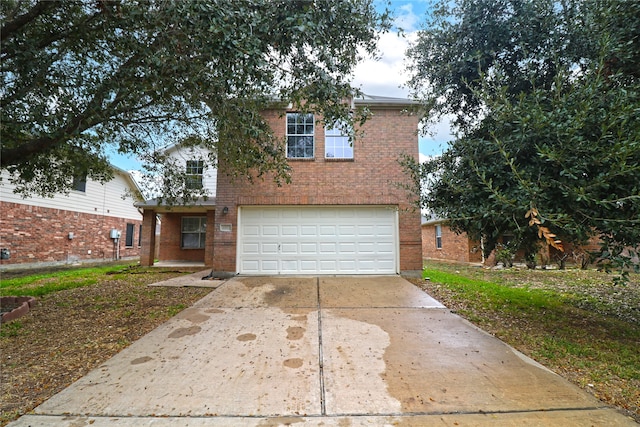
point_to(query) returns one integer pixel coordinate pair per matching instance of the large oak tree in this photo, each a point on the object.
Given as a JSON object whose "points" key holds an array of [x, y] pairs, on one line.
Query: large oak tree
{"points": [[546, 99], [83, 77]]}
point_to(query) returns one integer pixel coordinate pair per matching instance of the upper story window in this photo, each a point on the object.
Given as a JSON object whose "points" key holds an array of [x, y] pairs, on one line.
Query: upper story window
{"points": [[195, 170], [80, 183], [336, 142], [300, 128]]}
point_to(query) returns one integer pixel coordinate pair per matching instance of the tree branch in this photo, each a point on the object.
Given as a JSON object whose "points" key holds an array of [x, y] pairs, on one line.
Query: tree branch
{"points": [[10, 28]]}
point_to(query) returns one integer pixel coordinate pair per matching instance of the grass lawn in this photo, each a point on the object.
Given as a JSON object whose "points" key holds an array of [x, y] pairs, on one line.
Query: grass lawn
{"points": [[575, 322]]}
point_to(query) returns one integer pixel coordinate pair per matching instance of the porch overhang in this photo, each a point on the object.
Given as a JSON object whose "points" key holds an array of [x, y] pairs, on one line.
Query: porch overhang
{"points": [[199, 206]]}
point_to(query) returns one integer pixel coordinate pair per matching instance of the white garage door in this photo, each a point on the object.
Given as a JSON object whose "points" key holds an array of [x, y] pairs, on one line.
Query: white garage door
{"points": [[318, 240]]}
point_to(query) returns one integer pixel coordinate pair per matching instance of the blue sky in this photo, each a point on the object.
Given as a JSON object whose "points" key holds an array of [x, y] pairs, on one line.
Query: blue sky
{"points": [[385, 77]]}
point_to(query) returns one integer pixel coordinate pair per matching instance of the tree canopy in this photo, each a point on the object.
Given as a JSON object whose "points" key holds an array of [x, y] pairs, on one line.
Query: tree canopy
{"points": [[546, 99], [82, 77]]}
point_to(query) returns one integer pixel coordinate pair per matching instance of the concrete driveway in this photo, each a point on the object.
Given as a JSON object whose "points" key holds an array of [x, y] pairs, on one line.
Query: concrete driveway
{"points": [[330, 351]]}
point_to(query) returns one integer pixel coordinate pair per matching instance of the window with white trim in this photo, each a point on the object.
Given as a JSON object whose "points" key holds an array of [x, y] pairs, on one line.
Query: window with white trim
{"points": [[80, 183], [438, 237], [337, 144], [194, 230], [300, 129], [194, 172], [129, 236]]}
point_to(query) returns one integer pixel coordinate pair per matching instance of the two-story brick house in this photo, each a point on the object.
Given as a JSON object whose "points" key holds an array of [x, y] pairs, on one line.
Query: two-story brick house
{"points": [[344, 212]]}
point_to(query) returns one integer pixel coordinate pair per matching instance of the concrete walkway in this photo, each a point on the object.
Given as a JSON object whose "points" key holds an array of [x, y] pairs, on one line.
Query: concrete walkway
{"points": [[330, 351]]}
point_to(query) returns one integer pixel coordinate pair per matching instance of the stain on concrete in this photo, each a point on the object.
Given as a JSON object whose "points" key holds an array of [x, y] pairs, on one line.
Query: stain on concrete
{"points": [[293, 363], [277, 294], [354, 365], [295, 333], [246, 337], [141, 360], [281, 421], [214, 311], [302, 318], [193, 315], [183, 332]]}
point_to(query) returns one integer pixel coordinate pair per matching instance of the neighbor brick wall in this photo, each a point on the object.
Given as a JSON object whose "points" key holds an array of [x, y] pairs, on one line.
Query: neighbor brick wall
{"points": [[455, 247], [371, 178], [41, 235]]}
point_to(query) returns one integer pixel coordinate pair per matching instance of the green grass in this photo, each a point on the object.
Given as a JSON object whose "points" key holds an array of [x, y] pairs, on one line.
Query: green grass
{"points": [[38, 285], [492, 295]]}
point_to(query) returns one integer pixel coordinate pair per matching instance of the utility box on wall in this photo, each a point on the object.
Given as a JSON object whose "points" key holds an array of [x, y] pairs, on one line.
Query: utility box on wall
{"points": [[115, 234], [5, 253]]}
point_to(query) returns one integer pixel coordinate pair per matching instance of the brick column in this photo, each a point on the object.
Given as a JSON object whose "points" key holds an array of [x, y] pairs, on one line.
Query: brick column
{"points": [[147, 251], [209, 239]]}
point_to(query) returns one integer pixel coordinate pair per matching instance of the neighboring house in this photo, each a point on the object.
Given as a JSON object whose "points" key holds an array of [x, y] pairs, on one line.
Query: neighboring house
{"points": [[439, 242], [343, 213], [94, 222]]}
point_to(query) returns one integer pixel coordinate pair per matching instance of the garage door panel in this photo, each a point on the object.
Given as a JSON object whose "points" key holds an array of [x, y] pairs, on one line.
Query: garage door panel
{"points": [[313, 240], [270, 231], [346, 248], [308, 230], [269, 249], [327, 230], [289, 248], [290, 230], [308, 248], [328, 248]]}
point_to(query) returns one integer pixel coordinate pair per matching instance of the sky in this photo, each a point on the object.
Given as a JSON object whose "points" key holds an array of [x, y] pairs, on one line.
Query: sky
{"points": [[383, 77]]}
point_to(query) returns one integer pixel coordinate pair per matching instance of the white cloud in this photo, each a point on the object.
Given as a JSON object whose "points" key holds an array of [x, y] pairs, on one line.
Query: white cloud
{"points": [[385, 76], [406, 18]]}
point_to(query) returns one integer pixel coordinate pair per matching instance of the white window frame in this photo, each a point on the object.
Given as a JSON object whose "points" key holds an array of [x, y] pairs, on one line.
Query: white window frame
{"points": [[194, 174], [438, 236], [300, 130], [337, 142], [200, 230]]}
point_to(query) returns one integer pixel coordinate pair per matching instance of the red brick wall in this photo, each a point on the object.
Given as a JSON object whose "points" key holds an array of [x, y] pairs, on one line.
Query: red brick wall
{"points": [[455, 247], [371, 178], [41, 235], [170, 239]]}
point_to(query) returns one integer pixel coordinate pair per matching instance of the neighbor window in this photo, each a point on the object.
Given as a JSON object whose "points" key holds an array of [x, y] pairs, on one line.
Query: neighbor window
{"points": [[336, 142], [195, 169], [129, 236], [300, 136], [80, 183], [438, 237], [194, 229]]}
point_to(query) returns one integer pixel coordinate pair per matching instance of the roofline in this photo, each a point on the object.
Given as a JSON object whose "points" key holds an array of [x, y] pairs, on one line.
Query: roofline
{"points": [[385, 101], [127, 175], [200, 205], [434, 221]]}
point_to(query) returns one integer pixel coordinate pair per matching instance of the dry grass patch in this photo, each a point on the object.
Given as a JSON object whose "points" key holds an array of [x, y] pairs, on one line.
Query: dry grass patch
{"points": [[86, 317]]}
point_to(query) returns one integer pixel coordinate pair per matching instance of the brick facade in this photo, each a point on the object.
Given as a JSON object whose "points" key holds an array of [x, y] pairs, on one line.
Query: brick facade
{"points": [[170, 239], [371, 178], [455, 247], [37, 235]]}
